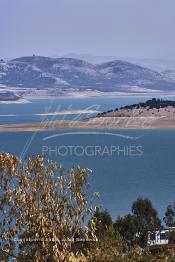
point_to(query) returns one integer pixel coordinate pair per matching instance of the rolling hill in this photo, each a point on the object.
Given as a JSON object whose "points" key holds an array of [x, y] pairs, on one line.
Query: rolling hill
{"points": [[69, 73]]}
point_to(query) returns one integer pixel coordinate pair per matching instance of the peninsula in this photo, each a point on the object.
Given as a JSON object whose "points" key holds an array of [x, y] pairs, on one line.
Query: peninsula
{"points": [[152, 114]]}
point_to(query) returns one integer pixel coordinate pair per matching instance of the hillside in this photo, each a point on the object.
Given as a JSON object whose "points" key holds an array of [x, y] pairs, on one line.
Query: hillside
{"points": [[75, 74], [151, 108], [8, 96], [152, 114]]}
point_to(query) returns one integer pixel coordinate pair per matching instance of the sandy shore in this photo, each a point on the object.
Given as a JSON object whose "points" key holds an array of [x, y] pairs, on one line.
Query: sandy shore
{"points": [[69, 112], [102, 123], [29, 94], [97, 94], [20, 101]]}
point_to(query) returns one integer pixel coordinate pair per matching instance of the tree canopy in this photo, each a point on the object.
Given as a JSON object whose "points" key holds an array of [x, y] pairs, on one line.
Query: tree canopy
{"points": [[42, 208]]}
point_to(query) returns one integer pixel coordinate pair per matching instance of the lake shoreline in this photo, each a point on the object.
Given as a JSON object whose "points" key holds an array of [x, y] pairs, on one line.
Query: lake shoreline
{"points": [[49, 94], [102, 123]]}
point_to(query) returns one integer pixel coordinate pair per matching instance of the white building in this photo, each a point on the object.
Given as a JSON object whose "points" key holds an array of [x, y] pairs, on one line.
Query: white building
{"points": [[159, 237]]}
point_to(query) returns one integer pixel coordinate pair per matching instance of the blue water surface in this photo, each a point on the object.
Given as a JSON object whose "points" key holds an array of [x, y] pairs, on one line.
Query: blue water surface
{"points": [[120, 178]]}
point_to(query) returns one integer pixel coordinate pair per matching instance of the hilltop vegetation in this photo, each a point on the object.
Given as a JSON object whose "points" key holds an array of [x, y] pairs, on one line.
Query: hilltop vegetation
{"points": [[150, 107], [152, 103]]}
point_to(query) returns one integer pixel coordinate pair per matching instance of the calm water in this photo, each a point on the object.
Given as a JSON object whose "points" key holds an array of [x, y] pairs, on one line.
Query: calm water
{"points": [[120, 178], [26, 113]]}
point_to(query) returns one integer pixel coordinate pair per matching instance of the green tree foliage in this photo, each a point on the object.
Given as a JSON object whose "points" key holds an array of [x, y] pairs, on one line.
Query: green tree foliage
{"points": [[152, 103], [103, 222], [127, 226], [109, 248], [169, 218], [171, 237], [134, 227], [147, 218]]}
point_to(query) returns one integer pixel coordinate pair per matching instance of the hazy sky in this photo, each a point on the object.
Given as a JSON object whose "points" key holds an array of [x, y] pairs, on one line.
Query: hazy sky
{"points": [[123, 28]]}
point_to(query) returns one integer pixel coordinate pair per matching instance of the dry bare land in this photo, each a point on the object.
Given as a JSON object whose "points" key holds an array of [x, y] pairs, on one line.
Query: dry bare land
{"points": [[107, 123]]}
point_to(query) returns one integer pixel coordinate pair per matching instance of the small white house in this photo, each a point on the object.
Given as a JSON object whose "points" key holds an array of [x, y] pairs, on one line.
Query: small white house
{"points": [[159, 237]]}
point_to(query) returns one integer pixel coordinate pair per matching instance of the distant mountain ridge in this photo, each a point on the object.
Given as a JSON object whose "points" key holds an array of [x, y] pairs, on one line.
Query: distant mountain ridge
{"points": [[70, 73], [156, 64]]}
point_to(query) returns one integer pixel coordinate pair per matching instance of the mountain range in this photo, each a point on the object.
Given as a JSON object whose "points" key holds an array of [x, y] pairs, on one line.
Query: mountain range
{"points": [[157, 64], [70, 73]]}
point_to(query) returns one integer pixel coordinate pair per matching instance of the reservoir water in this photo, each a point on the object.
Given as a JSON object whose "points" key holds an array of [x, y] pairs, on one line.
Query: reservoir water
{"points": [[126, 164]]}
